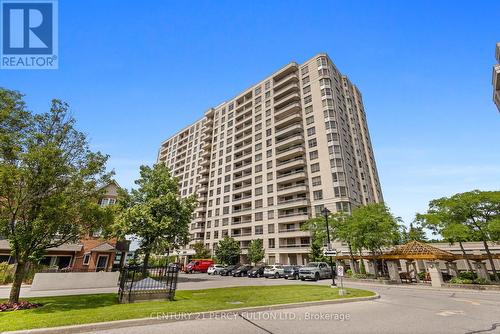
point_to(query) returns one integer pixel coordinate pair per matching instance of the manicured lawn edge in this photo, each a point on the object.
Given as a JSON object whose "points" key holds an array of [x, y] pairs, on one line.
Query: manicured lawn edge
{"points": [[192, 316], [63, 312]]}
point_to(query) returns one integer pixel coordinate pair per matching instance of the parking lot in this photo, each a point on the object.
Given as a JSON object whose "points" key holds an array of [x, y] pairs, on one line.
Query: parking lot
{"points": [[204, 281]]}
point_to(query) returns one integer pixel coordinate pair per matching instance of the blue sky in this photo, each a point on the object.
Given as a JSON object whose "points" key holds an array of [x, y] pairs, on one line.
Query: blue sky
{"points": [[136, 72]]}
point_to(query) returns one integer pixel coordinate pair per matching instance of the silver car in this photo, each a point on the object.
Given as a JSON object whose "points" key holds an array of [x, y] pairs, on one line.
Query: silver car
{"points": [[315, 271], [275, 271]]}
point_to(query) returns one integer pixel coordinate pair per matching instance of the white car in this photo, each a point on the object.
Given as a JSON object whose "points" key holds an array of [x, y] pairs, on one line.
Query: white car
{"points": [[215, 269], [275, 271]]}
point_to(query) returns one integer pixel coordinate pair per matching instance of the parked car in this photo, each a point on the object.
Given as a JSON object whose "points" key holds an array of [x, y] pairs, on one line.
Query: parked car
{"points": [[215, 269], [242, 271], [315, 271], [291, 272], [275, 270], [257, 271], [228, 270], [199, 265]]}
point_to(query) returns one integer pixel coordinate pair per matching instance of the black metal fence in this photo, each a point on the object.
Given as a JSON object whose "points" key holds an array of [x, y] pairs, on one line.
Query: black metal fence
{"points": [[139, 283]]}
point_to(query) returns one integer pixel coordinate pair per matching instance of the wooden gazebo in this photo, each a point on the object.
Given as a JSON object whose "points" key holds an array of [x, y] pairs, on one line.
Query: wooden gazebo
{"points": [[415, 250]]}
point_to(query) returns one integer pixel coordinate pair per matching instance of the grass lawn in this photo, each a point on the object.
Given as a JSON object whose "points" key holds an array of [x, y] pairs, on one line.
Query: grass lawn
{"points": [[72, 310]]}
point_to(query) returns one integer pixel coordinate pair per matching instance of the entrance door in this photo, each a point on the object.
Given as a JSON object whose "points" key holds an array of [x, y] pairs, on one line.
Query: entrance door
{"points": [[102, 262]]}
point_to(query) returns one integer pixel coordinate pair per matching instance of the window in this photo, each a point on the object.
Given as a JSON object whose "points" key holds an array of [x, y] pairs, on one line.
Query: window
{"points": [[270, 215], [86, 259], [318, 194], [259, 229], [315, 167], [271, 244], [311, 131], [310, 120], [316, 181], [312, 143], [313, 155], [270, 228], [258, 217]]}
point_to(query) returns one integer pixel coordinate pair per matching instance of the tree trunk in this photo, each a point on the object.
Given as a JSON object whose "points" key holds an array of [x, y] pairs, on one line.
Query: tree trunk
{"points": [[466, 258], [353, 261], [492, 263], [18, 281], [146, 262]]}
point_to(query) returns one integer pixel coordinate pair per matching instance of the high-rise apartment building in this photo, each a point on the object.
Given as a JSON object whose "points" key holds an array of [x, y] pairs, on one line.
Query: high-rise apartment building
{"points": [[496, 78], [274, 156]]}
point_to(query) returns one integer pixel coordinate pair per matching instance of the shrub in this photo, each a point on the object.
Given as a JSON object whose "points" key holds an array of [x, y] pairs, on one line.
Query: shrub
{"points": [[481, 280], [6, 273], [359, 276], [421, 275], [348, 273], [458, 280], [467, 275]]}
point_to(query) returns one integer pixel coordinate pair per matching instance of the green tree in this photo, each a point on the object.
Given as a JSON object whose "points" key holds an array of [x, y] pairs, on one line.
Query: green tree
{"points": [[49, 181], [154, 213], [478, 212], [228, 251], [256, 251], [201, 252], [373, 227], [415, 233]]}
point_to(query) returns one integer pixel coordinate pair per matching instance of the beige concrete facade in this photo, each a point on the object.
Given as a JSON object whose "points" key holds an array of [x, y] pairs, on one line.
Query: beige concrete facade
{"points": [[267, 160], [496, 78]]}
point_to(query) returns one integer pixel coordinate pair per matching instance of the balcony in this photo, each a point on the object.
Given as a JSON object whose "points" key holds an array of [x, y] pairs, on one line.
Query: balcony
{"points": [[290, 152], [295, 246], [242, 219], [285, 110], [242, 209], [293, 217], [242, 196], [293, 203], [292, 189], [241, 154], [199, 219], [295, 128], [243, 164], [289, 141], [291, 176], [283, 101], [286, 88], [290, 163], [285, 75], [205, 162], [294, 117], [243, 173]]}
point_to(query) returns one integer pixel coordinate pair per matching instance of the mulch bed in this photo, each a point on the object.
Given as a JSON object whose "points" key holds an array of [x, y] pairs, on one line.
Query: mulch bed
{"points": [[5, 307]]}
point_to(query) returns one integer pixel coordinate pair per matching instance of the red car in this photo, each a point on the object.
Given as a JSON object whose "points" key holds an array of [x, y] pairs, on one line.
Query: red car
{"points": [[199, 265]]}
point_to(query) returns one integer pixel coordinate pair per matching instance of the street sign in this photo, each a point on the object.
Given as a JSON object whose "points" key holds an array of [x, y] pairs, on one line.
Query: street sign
{"points": [[332, 252], [340, 271]]}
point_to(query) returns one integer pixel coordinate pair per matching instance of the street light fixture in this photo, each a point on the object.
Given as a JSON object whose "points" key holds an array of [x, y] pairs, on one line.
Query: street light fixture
{"points": [[326, 212]]}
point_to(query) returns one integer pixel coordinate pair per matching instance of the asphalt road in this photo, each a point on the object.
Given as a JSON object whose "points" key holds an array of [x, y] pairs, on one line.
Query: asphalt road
{"points": [[399, 310]]}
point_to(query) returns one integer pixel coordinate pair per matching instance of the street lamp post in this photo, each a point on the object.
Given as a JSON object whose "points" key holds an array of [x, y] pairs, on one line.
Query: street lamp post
{"points": [[326, 212]]}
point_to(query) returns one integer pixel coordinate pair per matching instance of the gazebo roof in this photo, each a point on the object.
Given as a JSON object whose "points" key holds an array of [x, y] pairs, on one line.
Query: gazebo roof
{"points": [[418, 250]]}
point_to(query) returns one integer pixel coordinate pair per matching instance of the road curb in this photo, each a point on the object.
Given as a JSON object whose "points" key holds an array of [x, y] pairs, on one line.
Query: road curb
{"points": [[190, 316]]}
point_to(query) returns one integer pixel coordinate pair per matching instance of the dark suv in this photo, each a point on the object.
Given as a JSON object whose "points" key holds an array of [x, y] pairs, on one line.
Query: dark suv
{"points": [[228, 270], [257, 271], [291, 272], [241, 271]]}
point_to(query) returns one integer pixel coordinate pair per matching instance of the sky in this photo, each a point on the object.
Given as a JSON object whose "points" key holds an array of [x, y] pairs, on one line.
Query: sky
{"points": [[135, 73]]}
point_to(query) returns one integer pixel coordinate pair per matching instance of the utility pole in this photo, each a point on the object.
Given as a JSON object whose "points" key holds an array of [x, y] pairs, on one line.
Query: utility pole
{"points": [[326, 212]]}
